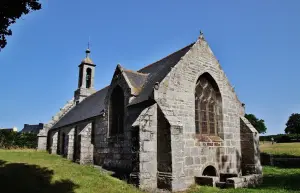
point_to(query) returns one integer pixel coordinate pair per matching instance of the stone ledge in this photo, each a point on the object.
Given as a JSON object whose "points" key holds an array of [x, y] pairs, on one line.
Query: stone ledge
{"points": [[208, 138]]}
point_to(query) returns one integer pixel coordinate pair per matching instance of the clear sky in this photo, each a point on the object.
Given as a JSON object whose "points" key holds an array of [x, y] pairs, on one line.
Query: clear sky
{"points": [[257, 43]]}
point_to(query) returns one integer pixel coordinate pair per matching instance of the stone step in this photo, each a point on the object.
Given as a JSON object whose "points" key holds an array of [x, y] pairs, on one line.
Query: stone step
{"points": [[207, 180], [225, 176], [221, 184]]}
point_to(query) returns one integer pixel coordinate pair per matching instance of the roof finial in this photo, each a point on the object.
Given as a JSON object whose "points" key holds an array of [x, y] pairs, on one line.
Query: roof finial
{"points": [[88, 51], [201, 35], [87, 59]]}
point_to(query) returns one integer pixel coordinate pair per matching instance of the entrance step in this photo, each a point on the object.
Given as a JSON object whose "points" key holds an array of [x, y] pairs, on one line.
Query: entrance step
{"points": [[225, 176], [207, 180]]}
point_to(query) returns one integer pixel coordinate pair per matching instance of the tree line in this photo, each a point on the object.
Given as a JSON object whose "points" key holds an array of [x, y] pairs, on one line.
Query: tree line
{"points": [[292, 129], [12, 139]]}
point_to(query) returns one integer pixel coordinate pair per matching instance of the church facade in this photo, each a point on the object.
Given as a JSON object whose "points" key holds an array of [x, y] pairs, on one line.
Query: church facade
{"points": [[169, 125]]}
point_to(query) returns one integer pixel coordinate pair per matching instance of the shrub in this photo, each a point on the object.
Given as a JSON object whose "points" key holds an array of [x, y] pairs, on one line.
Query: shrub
{"points": [[280, 138], [11, 139], [283, 139]]}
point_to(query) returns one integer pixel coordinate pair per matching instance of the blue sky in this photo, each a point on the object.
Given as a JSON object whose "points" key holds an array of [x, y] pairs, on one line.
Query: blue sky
{"points": [[257, 43]]}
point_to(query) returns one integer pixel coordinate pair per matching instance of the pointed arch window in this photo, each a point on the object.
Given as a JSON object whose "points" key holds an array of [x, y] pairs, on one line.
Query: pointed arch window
{"points": [[208, 106], [116, 111], [88, 77]]}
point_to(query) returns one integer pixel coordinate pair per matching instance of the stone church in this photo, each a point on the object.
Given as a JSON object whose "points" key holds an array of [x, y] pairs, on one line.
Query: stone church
{"points": [[171, 124]]}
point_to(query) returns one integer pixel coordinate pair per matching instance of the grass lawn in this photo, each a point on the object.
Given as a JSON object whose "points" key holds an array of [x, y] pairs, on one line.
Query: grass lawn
{"points": [[28, 171], [281, 148]]}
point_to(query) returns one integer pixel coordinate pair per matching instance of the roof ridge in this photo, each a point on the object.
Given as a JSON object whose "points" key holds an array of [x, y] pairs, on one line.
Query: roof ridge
{"points": [[93, 94], [166, 57], [136, 72]]}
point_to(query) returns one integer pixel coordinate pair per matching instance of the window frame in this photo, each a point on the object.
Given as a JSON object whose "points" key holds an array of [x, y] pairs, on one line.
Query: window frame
{"points": [[111, 129], [208, 106]]}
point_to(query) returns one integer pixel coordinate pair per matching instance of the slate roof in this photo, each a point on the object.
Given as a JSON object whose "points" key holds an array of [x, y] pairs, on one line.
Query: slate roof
{"points": [[89, 107], [7, 129], [87, 61], [32, 128], [157, 72], [142, 81], [137, 80]]}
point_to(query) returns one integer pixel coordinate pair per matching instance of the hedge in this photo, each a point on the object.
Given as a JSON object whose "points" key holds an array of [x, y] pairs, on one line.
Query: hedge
{"points": [[281, 138], [12, 139]]}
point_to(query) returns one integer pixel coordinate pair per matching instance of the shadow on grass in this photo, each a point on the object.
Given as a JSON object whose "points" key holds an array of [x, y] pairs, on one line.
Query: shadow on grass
{"points": [[289, 182], [20, 177]]}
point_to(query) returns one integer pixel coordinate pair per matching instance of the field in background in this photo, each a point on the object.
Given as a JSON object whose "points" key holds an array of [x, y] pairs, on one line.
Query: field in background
{"points": [[29, 171], [280, 148]]}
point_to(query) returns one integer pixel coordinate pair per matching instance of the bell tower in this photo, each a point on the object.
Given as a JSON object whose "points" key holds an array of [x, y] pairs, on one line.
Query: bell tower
{"points": [[85, 79]]}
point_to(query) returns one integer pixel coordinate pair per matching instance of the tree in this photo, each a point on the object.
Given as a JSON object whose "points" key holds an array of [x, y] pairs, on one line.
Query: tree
{"points": [[258, 124], [293, 124], [10, 11]]}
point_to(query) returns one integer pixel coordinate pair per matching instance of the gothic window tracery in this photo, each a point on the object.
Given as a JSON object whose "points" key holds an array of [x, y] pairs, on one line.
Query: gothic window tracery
{"points": [[207, 106]]}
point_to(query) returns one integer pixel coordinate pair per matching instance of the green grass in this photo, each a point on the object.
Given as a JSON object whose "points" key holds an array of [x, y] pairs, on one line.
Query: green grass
{"points": [[28, 171], [281, 148]]}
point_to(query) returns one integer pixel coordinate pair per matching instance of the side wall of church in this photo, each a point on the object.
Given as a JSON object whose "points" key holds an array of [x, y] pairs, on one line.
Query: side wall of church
{"points": [[111, 152], [176, 98], [42, 135], [115, 152]]}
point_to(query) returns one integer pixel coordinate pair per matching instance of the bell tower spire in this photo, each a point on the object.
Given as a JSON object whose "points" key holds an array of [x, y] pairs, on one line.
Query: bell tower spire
{"points": [[86, 77], [88, 51]]}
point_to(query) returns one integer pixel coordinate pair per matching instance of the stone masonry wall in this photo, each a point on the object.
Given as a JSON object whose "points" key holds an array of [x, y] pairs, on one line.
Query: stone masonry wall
{"points": [[175, 97], [54, 143], [111, 152], [77, 151], [147, 124], [164, 155], [115, 152], [42, 142], [70, 154], [42, 135], [71, 147], [250, 148], [86, 146]]}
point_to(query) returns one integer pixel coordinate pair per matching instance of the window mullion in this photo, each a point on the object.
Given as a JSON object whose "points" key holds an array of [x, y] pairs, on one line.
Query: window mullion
{"points": [[199, 116], [207, 115], [215, 118]]}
